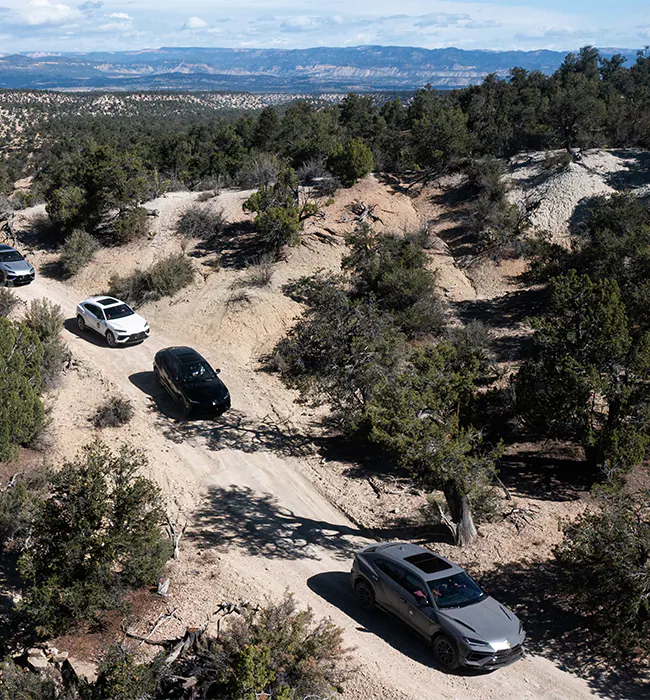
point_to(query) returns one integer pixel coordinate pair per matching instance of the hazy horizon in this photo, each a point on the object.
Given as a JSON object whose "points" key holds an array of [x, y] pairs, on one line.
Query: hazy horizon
{"points": [[497, 25]]}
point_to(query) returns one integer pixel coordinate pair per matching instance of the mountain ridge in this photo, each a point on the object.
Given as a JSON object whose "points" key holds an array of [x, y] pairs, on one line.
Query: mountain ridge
{"points": [[331, 69]]}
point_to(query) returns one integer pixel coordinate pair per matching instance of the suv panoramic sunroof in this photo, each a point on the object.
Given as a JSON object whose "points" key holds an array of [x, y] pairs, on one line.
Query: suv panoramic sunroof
{"points": [[429, 563], [107, 301]]}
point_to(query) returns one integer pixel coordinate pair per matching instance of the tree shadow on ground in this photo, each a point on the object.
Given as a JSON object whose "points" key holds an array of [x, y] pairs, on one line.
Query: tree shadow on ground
{"points": [[334, 587], [637, 174], [260, 525], [502, 314], [548, 477], [237, 246], [532, 591]]}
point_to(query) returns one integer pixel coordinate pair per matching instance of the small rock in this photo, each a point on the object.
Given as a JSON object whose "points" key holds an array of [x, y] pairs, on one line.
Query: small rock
{"points": [[37, 663], [60, 657], [51, 651], [35, 651]]}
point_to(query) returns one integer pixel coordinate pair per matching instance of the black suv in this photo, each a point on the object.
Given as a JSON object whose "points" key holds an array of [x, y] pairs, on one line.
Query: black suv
{"points": [[191, 381]]}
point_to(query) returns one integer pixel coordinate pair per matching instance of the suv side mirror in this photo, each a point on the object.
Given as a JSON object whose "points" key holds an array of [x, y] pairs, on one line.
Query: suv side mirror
{"points": [[217, 371]]}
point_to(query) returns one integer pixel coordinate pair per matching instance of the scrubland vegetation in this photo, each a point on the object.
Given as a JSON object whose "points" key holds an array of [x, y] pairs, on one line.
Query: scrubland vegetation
{"points": [[375, 343]]}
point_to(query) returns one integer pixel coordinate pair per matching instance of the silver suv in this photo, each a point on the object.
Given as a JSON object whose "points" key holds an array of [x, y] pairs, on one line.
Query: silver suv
{"points": [[14, 269], [440, 602]]}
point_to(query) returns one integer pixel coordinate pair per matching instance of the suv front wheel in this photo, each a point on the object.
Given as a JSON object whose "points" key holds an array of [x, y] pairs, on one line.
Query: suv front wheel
{"points": [[445, 651]]}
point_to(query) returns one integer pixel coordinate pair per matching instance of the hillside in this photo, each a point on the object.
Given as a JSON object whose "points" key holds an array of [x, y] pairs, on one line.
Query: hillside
{"points": [[313, 70]]}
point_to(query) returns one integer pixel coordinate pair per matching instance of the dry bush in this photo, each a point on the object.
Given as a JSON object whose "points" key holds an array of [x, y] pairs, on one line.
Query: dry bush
{"points": [[77, 251], [46, 320], [115, 412], [260, 273], [201, 222], [162, 279]]}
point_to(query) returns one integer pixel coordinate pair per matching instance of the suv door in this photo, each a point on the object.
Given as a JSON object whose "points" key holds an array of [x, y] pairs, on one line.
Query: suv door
{"points": [[416, 607], [390, 592], [93, 317]]}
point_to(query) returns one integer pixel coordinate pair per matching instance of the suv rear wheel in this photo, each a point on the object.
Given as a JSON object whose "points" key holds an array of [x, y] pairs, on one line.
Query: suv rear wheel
{"points": [[445, 651], [365, 596]]}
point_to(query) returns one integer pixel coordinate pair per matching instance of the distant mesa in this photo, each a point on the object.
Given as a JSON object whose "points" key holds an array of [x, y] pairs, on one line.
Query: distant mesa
{"points": [[361, 68]]}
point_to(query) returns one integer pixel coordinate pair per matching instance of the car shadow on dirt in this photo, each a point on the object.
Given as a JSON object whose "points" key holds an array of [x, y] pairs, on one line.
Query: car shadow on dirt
{"points": [[160, 401], [70, 324], [334, 587], [531, 590]]}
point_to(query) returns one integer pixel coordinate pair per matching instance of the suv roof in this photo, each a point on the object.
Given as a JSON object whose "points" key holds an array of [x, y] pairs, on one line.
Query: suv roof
{"points": [[185, 355], [103, 300], [419, 560], [4, 247]]}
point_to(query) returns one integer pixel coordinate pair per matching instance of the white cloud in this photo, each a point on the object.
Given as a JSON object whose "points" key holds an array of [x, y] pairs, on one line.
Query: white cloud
{"points": [[194, 23], [46, 12], [120, 15]]}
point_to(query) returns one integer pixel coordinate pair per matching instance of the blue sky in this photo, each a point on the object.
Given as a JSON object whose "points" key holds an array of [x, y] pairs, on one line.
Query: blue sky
{"points": [[87, 25]]}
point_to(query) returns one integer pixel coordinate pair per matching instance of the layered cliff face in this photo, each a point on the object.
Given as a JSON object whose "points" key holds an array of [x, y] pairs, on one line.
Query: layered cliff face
{"points": [[312, 70]]}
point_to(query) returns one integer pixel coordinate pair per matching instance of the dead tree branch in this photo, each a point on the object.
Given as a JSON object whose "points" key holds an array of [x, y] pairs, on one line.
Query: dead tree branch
{"points": [[175, 534]]}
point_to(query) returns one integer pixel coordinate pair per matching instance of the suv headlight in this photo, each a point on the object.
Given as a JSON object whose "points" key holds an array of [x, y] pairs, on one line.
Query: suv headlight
{"points": [[475, 642]]}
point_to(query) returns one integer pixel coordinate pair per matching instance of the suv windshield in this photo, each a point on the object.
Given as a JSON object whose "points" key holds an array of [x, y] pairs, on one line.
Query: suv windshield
{"points": [[456, 591], [10, 256], [197, 372], [118, 312]]}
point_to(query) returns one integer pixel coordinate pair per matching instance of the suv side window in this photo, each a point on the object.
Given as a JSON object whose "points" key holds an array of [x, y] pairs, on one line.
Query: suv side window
{"points": [[92, 309], [412, 583], [391, 570]]}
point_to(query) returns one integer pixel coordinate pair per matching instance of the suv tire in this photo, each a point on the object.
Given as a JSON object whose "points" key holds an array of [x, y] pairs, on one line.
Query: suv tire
{"points": [[365, 596], [446, 652]]}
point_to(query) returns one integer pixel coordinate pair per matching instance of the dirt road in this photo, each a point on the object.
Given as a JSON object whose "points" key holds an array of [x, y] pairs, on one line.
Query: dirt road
{"points": [[273, 526]]}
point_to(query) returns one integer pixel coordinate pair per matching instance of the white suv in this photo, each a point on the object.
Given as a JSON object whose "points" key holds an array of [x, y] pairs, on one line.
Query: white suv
{"points": [[112, 318]]}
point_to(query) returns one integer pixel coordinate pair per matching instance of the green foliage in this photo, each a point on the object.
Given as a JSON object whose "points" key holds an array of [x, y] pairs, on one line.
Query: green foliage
{"points": [[90, 185], [65, 207], [497, 222], [201, 222], [279, 650], [21, 381], [20, 684], [351, 162], [46, 320], [439, 135], [96, 535], [18, 501], [130, 225], [119, 677], [415, 416], [77, 251], [392, 270], [8, 301], [115, 412], [279, 211], [605, 572], [587, 376], [339, 350], [164, 278]]}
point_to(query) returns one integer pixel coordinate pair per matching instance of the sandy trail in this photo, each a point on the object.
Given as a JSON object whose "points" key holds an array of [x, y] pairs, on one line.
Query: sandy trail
{"points": [[279, 531]]}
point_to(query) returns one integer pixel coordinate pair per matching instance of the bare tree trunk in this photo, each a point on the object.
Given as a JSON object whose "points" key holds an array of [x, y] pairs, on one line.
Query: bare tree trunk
{"points": [[461, 514]]}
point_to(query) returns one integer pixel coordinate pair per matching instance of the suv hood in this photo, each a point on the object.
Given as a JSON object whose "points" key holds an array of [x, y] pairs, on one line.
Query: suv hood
{"points": [[487, 620], [20, 267], [206, 392], [128, 324]]}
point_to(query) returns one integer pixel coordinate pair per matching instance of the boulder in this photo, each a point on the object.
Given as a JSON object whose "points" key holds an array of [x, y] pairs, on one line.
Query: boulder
{"points": [[37, 663], [73, 670]]}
